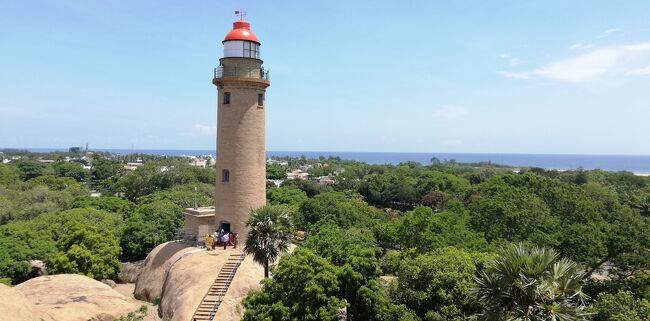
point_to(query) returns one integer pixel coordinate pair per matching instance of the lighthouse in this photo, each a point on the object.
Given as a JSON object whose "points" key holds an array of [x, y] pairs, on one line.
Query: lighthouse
{"points": [[241, 83]]}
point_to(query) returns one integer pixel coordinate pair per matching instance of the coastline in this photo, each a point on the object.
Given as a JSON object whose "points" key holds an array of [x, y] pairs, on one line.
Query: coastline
{"points": [[639, 165]]}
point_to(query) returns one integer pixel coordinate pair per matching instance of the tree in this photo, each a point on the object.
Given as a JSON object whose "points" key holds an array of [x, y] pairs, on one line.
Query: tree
{"points": [[152, 223], [285, 196], [303, 288], [423, 230], [355, 252], [434, 199], [9, 174], [275, 171], [511, 213], [29, 169], [70, 169], [531, 284], [620, 306], [107, 203], [269, 234], [437, 285], [337, 207]]}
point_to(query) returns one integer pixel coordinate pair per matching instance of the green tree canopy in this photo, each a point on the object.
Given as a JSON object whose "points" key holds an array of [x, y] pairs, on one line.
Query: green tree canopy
{"points": [[437, 285], [304, 287]]}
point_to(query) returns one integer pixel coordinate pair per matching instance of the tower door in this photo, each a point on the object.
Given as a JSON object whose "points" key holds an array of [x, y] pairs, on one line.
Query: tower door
{"points": [[225, 226]]}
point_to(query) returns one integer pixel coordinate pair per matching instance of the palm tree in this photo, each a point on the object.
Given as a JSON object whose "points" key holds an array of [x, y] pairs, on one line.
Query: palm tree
{"points": [[531, 284], [269, 234]]}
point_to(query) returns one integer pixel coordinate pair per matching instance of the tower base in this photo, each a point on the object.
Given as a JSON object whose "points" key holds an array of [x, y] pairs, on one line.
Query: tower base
{"points": [[199, 222]]}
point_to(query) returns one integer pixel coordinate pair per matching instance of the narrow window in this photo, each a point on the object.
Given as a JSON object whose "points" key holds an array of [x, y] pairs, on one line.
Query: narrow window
{"points": [[260, 100], [226, 98], [225, 175]]}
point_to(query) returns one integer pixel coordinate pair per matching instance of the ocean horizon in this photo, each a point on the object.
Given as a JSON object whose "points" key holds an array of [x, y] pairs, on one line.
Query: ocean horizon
{"points": [[633, 163]]}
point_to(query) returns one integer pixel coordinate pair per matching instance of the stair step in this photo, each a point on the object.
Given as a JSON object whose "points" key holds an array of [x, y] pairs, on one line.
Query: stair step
{"points": [[207, 309]]}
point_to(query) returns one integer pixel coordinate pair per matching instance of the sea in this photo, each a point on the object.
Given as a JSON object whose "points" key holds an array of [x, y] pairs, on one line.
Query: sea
{"points": [[639, 164]]}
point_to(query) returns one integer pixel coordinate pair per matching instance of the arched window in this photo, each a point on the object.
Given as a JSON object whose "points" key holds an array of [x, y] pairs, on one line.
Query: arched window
{"points": [[225, 175]]}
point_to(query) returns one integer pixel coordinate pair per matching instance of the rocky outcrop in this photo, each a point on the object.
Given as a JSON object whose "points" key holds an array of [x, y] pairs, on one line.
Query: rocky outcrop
{"points": [[14, 306], [182, 275], [130, 271], [149, 285], [71, 297], [190, 278]]}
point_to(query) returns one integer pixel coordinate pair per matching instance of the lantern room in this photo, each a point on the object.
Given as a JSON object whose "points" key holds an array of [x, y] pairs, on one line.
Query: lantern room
{"points": [[241, 42]]}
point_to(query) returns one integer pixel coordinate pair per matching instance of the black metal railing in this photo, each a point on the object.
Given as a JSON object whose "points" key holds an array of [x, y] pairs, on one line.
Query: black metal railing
{"points": [[245, 72]]}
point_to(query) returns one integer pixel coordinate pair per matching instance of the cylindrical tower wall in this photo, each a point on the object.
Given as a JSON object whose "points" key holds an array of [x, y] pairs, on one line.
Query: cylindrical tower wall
{"points": [[241, 153]]}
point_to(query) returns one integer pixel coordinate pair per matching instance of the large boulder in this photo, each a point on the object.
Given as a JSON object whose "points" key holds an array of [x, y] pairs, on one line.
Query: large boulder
{"points": [[190, 278], [131, 271], [14, 306], [72, 297], [152, 276]]}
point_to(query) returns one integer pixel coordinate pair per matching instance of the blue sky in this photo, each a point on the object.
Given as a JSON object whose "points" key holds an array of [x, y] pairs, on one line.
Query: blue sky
{"points": [[418, 76]]}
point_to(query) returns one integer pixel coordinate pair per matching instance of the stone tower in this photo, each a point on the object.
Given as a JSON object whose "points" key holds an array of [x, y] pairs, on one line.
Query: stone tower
{"points": [[241, 155]]}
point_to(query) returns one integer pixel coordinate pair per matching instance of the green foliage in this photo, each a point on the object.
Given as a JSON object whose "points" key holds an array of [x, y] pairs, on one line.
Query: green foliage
{"points": [[152, 224], [138, 315], [311, 188], [29, 168], [275, 171], [531, 284], [355, 252], [37, 196], [335, 207], [285, 196], [9, 174], [423, 230], [304, 288], [620, 306], [505, 212], [71, 169], [5, 281], [81, 241], [21, 242], [437, 285], [107, 203], [161, 175], [269, 234], [183, 195], [87, 243]]}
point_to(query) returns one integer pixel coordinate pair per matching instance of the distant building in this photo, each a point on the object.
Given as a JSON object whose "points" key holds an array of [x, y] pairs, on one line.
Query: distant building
{"points": [[325, 180], [276, 182], [272, 161], [198, 162], [298, 174], [133, 165]]}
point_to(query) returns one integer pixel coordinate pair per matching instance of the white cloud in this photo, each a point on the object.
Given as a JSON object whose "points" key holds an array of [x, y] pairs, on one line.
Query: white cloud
{"points": [[205, 130], [593, 65], [513, 61], [609, 32], [645, 71], [450, 112]]}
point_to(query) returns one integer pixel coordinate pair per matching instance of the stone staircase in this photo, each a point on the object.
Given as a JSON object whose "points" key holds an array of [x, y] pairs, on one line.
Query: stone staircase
{"points": [[208, 307]]}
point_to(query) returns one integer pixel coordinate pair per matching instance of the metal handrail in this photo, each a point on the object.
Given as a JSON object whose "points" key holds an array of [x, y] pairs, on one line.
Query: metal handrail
{"points": [[219, 300], [245, 72]]}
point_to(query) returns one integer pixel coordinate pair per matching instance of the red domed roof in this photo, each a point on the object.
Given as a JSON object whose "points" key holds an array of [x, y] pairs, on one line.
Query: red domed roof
{"points": [[241, 30]]}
